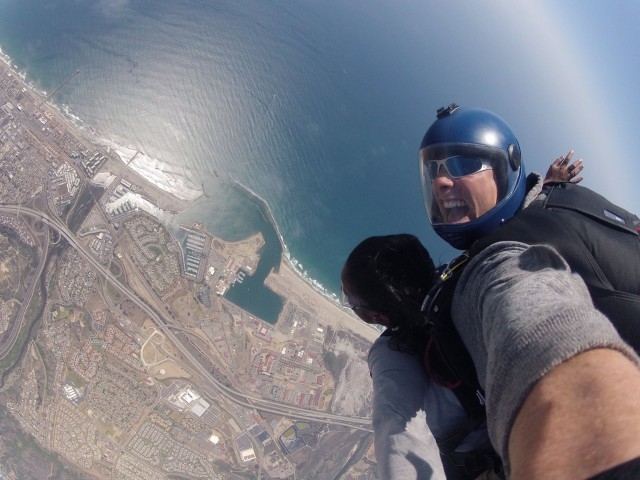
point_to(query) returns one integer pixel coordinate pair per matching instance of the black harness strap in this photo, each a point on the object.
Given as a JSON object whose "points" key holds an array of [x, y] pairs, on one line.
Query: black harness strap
{"points": [[448, 363], [445, 358]]}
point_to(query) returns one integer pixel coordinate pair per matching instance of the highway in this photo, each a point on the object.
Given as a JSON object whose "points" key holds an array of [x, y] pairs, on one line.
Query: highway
{"points": [[213, 385]]}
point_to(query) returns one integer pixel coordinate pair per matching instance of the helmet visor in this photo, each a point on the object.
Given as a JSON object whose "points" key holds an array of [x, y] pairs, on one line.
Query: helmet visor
{"points": [[457, 161]]}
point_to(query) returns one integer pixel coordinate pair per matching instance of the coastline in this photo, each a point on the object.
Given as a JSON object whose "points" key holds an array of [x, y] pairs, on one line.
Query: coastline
{"points": [[289, 283], [175, 190], [286, 256], [154, 171]]}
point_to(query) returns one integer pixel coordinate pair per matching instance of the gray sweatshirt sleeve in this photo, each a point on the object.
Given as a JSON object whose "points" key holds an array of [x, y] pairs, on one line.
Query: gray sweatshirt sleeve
{"points": [[520, 313], [405, 448]]}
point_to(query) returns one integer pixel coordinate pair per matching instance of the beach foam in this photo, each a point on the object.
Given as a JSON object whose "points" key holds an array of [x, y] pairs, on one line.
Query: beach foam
{"points": [[296, 266], [155, 171]]}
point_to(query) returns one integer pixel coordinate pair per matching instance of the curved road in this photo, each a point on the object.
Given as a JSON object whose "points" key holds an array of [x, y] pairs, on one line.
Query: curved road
{"points": [[230, 393]]}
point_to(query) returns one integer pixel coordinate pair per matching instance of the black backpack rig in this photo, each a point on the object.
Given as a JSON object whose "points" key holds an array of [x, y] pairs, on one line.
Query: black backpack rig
{"points": [[599, 240]]}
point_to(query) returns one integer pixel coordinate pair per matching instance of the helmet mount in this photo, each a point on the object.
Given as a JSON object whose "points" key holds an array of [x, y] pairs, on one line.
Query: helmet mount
{"points": [[444, 111]]}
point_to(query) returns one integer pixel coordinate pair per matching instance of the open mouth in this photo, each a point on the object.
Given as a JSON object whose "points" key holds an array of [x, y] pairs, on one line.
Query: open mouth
{"points": [[455, 211]]}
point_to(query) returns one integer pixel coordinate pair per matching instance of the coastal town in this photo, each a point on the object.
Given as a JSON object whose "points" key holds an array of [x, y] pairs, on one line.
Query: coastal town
{"points": [[121, 356]]}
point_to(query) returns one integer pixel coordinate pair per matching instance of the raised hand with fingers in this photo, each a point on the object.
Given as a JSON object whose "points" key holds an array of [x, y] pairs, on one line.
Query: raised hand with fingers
{"points": [[561, 170]]}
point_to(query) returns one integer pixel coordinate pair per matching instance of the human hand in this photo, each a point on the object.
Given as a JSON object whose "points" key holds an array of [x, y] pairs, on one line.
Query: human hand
{"points": [[561, 171]]}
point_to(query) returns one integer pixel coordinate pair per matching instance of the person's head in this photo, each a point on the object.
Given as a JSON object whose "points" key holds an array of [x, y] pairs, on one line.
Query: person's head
{"points": [[385, 279], [471, 172]]}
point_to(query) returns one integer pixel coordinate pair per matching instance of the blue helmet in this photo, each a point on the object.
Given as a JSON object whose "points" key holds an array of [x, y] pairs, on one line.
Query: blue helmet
{"points": [[464, 142]]}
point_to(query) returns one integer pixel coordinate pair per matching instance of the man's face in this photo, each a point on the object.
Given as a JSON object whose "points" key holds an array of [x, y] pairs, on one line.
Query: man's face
{"points": [[466, 198]]}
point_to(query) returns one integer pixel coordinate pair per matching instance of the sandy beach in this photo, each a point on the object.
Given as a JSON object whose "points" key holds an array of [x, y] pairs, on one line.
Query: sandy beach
{"points": [[288, 283]]}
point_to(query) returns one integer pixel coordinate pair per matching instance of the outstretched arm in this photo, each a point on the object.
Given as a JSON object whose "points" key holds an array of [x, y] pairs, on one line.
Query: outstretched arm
{"points": [[562, 171], [561, 384]]}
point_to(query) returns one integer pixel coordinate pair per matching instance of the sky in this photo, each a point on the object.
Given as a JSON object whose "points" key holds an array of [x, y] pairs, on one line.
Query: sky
{"points": [[604, 38], [587, 53]]}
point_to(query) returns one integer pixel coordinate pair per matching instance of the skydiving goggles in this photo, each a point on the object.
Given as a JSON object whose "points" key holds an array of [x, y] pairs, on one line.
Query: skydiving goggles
{"points": [[458, 166]]}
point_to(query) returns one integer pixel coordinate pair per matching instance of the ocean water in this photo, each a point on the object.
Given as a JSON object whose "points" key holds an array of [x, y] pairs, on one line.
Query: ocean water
{"points": [[315, 106]]}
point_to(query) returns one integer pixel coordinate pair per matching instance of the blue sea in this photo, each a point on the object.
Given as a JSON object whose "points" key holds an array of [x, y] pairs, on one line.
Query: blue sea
{"points": [[316, 106]]}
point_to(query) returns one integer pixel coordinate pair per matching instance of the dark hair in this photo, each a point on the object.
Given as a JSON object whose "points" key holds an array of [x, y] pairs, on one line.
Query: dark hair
{"points": [[392, 274]]}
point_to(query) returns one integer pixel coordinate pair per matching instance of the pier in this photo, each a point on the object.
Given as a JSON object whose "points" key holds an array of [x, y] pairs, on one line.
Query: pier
{"points": [[59, 87]]}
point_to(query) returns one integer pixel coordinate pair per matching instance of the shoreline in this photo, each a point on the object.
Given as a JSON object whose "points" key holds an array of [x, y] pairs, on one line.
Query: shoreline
{"points": [[169, 184], [149, 168], [286, 256], [285, 282]]}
